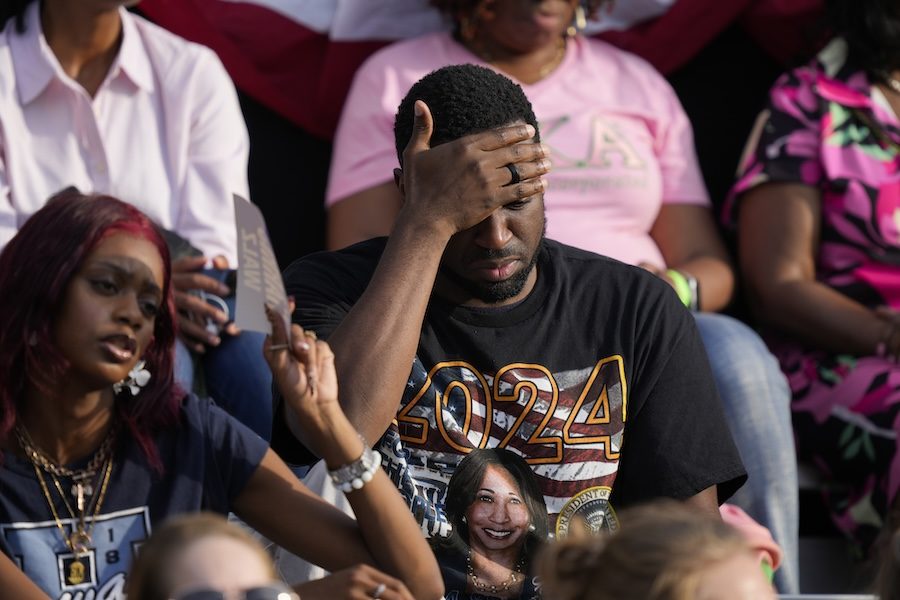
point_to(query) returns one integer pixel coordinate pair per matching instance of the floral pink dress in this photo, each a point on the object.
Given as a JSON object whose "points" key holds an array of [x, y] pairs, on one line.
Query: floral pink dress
{"points": [[828, 127]]}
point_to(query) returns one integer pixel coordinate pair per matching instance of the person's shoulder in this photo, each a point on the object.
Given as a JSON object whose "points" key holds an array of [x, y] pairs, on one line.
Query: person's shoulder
{"points": [[201, 417], [587, 269], [830, 73], [408, 58], [622, 60], [635, 80], [585, 259], [193, 409], [358, 260], [409, 49], [171, 54]]}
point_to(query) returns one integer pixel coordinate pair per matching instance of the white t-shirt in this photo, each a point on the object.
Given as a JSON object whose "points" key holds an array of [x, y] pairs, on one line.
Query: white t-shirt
{"points": [[621, 145]]}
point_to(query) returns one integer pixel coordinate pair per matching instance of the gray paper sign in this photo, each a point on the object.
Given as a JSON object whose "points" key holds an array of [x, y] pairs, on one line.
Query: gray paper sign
{"points": [[259, 278]]}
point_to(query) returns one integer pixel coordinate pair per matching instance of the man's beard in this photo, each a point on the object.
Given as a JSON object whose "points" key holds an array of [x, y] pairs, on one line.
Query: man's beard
{"points": [[494, 292]]}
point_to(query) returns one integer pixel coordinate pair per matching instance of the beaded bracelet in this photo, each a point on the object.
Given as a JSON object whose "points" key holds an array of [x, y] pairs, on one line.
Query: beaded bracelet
{"points": [[353, 476]]}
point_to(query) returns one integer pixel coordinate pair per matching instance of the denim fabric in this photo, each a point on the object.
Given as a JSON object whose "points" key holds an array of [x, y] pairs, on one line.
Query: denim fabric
{"points": [[756, 401], [236, 376]]}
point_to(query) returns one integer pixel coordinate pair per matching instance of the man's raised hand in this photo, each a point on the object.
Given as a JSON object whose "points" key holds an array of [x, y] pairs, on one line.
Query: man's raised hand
{"points": [[456, 185]]}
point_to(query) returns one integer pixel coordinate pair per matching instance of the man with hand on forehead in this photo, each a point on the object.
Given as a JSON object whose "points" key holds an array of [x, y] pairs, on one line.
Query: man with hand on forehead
{"points": [[466, 328]]}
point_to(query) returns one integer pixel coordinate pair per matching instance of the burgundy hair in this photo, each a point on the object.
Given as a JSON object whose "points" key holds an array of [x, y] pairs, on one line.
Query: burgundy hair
{"points": [[35, 270]]}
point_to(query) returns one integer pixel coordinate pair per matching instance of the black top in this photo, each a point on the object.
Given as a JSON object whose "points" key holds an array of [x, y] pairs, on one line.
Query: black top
{"points": [[598, 378], [207, 459]]}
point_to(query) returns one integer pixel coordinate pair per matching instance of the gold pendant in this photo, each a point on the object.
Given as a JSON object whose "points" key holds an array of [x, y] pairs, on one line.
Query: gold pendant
{"points": [[76, 572]]}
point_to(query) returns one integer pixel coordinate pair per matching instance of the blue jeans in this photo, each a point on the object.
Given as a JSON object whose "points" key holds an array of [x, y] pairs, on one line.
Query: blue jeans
{"points": [[237, 378], [756, 399]]}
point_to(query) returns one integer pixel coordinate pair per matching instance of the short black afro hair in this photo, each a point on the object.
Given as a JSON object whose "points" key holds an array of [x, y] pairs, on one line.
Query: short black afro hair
{"points": [[463, 99]]}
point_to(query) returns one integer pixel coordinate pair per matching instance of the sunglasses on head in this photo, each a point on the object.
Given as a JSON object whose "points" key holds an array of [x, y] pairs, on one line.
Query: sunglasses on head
{"points": [[265, 592]]}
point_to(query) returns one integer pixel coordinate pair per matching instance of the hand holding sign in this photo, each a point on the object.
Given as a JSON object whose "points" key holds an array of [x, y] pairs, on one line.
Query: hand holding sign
{"points": [[259, 280]]}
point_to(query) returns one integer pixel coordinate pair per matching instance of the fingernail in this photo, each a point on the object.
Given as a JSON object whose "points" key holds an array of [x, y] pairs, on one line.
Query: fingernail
{"points": [[304, 346], [545, 164], [214, 341], [418, 109], [545, 183], [545, 149], [530, 129]]}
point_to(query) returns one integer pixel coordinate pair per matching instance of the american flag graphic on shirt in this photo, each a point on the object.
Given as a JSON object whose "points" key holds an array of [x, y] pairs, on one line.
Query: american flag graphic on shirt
{"points": [[567, 425]]}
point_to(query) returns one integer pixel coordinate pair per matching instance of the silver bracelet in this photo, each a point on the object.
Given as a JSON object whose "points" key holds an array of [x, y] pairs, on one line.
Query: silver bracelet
{"points": [[695, 291], [353, 476]]}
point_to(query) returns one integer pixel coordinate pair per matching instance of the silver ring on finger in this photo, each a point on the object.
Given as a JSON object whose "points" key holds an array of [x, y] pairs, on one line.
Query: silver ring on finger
{"points": [[514, 174], [277, 347], [378, 591]]}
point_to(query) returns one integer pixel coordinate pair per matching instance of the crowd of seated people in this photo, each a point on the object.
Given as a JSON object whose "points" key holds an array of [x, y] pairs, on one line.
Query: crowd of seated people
{"points": [[521, 308]]}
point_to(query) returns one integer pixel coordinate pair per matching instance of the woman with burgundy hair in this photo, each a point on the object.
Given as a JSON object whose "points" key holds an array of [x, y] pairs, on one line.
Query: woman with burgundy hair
{"points": [[99, 445]]}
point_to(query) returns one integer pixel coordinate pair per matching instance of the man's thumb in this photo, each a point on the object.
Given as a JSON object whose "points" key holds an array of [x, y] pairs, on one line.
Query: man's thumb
{"points": [[423, 126]]}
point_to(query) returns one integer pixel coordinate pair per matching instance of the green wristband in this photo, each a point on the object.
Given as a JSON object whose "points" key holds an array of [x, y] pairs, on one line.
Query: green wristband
{"points": [[682, 287]]}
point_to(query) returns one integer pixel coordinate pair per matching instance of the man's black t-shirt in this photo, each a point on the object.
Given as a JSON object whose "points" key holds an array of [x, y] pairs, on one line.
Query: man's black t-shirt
{"points": [[598, 378]]}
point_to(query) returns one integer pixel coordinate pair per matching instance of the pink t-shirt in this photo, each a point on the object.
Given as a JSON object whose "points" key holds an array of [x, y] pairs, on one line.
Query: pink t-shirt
{"points": [[621, 144]]}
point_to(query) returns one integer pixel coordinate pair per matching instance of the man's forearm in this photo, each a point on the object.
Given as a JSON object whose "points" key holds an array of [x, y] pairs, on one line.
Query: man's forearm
{"points": [[375, 344]]}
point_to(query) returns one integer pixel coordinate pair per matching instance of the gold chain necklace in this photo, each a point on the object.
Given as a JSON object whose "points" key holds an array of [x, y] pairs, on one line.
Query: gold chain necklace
{"points": [[511, 581], [79, 541], [479, 51], [556, 60], [37, 456]]}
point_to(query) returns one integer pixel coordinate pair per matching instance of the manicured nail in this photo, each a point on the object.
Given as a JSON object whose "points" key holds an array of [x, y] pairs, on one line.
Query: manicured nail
{"points": [[418, 109]]}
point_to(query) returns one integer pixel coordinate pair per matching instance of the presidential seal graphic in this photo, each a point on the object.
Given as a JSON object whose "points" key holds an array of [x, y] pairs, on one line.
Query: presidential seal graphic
{"points": [[589, 510]]}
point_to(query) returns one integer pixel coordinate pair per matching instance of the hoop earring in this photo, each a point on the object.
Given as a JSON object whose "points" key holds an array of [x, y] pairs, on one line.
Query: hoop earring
{"points": [[579, 21]]}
